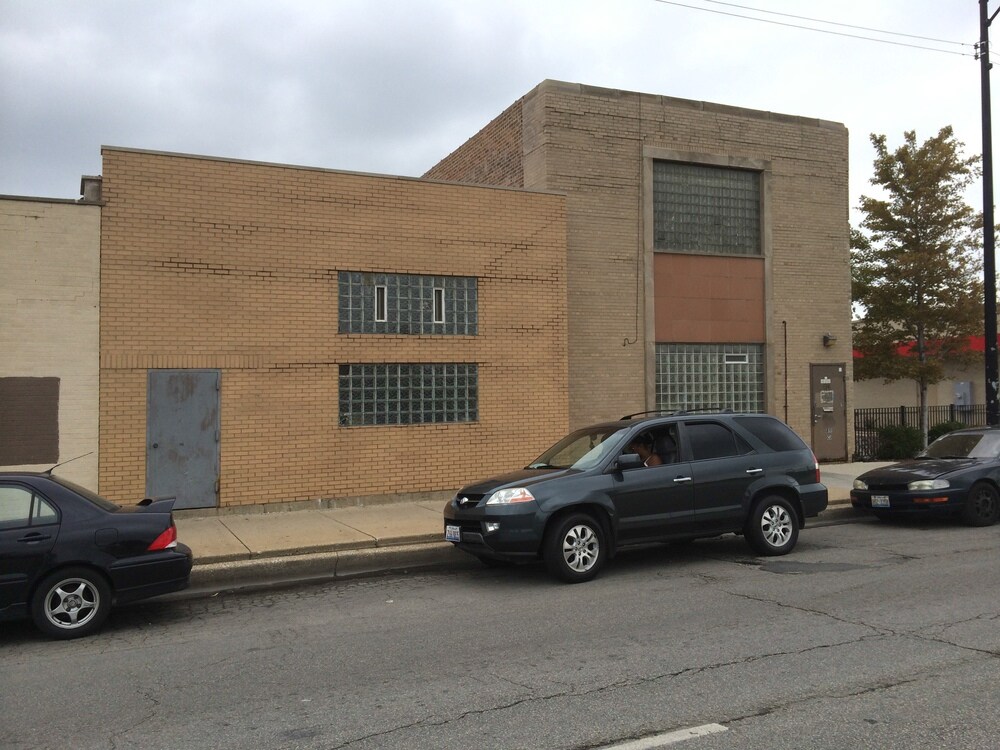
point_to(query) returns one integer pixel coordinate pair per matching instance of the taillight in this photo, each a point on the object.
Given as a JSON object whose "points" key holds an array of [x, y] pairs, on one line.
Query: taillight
{"points": [[166, 540]]}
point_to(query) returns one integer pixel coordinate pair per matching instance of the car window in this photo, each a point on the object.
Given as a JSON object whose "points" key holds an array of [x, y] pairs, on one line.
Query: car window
{"points": [[713, 440], [774, 434], [965, 445], [15, 507], [43, 513], [582, 449], [93, 497], [20, 507]]}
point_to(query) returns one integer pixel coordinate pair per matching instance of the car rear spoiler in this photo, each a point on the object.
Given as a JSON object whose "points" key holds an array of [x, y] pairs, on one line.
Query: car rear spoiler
{"points": [[157, 504]]}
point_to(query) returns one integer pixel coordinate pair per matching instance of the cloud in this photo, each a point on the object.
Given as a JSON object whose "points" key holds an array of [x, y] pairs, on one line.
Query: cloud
{"points": [[394, 86]]}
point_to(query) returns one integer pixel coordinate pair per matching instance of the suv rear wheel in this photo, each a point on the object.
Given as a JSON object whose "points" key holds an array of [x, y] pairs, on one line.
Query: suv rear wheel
{"points": [[575, 548], [773, 526]]}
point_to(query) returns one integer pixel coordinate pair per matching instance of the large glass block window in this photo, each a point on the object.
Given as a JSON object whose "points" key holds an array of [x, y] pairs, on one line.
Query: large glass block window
{"points": [[407, 304], [702, 209], [710, 376], [385, 394]]}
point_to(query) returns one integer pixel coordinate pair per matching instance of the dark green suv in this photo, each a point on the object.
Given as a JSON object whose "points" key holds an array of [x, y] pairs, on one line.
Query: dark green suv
{"points": [[643, 479]]}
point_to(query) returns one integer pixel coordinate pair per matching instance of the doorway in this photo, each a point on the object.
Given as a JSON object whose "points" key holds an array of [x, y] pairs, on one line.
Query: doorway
{"points": [[182, 437], [828, 385]]}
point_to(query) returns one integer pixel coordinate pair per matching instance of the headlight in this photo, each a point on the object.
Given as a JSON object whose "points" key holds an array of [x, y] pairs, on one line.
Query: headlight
{"points": [[512, 495], [860, 485], [929, 484]]}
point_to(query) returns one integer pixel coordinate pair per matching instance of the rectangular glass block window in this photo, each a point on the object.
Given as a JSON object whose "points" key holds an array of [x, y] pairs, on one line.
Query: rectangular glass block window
{"points": [[438, 305], [703, 209], [393, 394], [710, 376], [380, 304], [407, 304]]}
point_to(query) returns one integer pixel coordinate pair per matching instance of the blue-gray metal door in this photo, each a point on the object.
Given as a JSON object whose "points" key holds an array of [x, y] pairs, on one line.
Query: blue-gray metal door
{"points": [[182, 437]]}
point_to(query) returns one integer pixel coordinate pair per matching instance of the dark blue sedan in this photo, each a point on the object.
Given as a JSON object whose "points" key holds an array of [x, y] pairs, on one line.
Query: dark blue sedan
{"points": [[958, 475], [67, 555]]}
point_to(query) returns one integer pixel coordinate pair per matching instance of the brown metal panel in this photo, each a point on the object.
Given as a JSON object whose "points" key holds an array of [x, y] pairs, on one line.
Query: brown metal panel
{"points": [[29, 421], [702, 299]]}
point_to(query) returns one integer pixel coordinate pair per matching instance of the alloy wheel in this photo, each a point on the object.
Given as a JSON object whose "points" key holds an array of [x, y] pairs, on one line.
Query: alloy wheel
{"points": [[581, 548], [776, 525], [72, 603]]}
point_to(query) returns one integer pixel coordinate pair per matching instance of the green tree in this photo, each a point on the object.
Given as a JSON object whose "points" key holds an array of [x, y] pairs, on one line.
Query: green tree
{"points": [[916, 264]]}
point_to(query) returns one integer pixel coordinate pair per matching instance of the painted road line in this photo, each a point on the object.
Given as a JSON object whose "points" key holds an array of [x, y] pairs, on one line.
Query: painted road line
{"points": [[668, 738]]}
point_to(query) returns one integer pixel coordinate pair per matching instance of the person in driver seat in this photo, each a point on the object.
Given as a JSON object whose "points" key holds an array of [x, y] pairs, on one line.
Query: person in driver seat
{"points": [[643, 445]]}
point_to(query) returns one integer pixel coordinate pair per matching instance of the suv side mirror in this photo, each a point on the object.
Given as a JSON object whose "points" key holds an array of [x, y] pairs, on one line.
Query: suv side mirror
{"points": [[628, 461]]}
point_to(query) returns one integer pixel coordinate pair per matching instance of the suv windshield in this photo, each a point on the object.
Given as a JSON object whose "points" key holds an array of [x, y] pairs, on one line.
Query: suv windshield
{"points": [[582, 449], [965, 445]]}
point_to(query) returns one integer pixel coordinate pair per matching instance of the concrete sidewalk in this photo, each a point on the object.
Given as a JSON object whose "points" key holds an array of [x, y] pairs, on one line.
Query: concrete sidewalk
{"points": [[237, 551]]}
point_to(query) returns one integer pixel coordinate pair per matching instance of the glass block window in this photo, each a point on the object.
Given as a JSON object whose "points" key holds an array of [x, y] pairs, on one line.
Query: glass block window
{"points": [[386, 394], [702, 209], [710, 376], [407, 304]]}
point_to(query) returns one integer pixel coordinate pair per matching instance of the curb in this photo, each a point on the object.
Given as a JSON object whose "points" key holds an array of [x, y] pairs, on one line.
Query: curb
{"points": [[267, 572], [209, 578]]}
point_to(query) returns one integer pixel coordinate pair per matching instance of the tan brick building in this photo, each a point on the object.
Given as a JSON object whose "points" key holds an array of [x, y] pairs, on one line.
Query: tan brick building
{"points": [[708, 260], [322, 335], [49, 318]]}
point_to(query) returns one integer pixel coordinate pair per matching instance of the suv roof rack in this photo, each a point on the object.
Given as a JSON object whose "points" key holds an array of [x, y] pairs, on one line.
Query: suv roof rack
{"points": [[681, 412]]}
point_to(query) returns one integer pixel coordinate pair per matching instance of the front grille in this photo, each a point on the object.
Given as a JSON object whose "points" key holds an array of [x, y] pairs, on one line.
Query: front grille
{"points": [[887, 488], [470, 501]]}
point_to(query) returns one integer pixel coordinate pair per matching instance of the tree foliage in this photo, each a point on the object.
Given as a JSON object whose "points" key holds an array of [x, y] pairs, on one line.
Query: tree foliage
{"points": [[916, 266]]}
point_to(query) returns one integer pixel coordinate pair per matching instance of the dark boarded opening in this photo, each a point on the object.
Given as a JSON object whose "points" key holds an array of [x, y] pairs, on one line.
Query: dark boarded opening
{"points": [[29, 421]]}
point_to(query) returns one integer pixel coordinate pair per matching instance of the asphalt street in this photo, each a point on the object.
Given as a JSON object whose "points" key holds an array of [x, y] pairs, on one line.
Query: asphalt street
{"points": [[867, 635]]}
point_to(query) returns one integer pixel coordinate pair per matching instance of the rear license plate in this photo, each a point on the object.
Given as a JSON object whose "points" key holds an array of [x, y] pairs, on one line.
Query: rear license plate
{"points": [[453, 533], [880, 501]]}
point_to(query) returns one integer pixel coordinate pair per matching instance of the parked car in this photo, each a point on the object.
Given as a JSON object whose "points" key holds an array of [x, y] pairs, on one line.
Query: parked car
{"points": [[958, 475], [644, 478], [67, 555]]}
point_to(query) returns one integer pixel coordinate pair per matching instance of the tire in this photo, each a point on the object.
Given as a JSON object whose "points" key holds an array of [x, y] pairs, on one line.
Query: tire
{"points": [[71, 603], [773, 527], [575, 548], [982, 506]]}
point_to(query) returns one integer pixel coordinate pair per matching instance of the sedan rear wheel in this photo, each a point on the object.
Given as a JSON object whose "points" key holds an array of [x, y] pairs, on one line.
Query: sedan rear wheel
{"points": [[773, 527], [71, 603], [574, 548], [982, 506]]}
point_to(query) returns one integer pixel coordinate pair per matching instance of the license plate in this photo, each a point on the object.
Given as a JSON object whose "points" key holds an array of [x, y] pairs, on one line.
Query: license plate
{"points": [[880, 501], [453, 533]]}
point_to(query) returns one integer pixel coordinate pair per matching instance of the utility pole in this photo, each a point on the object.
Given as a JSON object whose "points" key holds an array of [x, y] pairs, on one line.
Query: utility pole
{"points": [[989, 257]]}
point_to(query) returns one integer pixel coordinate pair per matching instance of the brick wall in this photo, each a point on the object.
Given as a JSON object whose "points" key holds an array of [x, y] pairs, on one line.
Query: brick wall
{"points": [[226, 265], [50, 256], [594, 145], [493, 156]]}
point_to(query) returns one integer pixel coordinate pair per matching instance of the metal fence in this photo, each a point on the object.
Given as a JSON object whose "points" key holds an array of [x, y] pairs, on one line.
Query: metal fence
{"points": [[868, 422]]}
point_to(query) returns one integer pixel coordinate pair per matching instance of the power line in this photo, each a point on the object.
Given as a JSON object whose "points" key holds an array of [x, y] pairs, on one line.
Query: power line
{"points": [[836, 23], [821, 31]]}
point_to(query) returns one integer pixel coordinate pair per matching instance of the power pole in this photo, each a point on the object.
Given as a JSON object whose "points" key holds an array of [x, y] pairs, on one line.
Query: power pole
{"points": [[989, 257]]}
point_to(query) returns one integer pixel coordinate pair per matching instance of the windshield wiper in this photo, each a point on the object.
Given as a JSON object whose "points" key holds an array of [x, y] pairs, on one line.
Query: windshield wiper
{"points": [[541, 465]]}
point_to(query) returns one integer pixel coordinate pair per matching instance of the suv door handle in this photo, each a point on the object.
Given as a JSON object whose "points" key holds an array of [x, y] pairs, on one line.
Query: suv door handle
{"points": [[683, 479], [755, 471]]}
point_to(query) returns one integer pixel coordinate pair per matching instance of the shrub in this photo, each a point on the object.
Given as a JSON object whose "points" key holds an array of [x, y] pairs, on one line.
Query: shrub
{"points": [[943, 428], [897, 442]]}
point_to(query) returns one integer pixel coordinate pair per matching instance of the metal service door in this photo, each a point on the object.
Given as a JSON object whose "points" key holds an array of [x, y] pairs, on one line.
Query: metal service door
{"points": [[182, 437], [829, 411]]}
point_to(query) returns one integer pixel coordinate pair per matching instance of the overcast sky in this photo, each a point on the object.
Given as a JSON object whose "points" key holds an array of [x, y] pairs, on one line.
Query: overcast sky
{"points": [[392, 86]]}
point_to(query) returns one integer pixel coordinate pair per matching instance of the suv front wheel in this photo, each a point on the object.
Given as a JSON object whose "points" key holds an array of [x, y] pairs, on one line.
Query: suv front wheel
{"points": [[575, 548], [773, 526]]}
